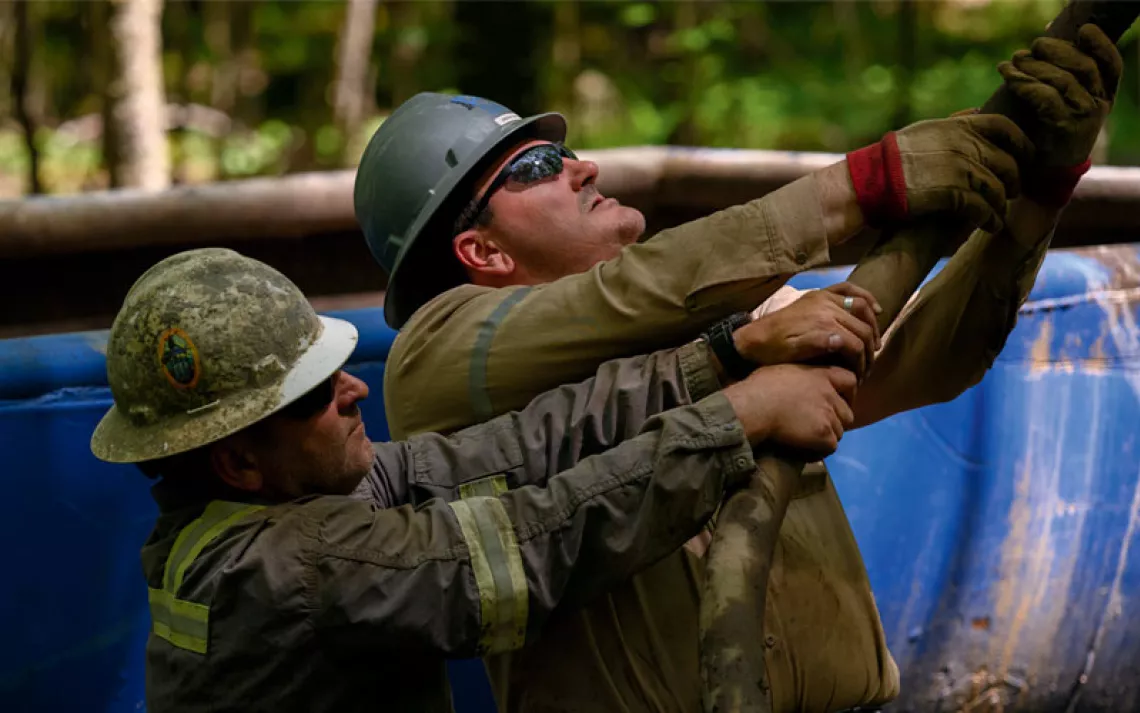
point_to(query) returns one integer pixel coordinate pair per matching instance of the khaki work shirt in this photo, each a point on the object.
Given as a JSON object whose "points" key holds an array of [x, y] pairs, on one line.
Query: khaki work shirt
{"points": [[451, 547], [474, 351]]}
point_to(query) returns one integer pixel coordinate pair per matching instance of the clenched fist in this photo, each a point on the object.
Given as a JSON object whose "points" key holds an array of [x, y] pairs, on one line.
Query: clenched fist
{"points": [[805, 408]]}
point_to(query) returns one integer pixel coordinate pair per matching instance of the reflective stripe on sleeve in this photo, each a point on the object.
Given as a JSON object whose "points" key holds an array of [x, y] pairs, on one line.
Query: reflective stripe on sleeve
{"points": [[218, 516], [184, 623], [499, 576], [481, 353]]}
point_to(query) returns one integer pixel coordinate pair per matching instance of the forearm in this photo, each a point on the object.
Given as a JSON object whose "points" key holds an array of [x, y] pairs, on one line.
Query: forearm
{"points": [[952, 330], [554, 431], [498, 566], [683, 493], [564, 425], [842, 217]]}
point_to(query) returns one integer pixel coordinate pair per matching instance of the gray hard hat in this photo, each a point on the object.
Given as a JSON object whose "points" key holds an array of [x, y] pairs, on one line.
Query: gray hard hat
{"points": [[415, 177], [207, 343]]}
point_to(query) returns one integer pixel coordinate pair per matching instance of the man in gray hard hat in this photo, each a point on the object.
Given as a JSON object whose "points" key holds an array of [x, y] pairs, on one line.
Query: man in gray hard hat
{"points": [[510, 273], [296, 566]]}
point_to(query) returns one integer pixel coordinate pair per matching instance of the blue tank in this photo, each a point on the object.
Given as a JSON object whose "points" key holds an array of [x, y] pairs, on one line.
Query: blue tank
{"points": [[997, 529]]}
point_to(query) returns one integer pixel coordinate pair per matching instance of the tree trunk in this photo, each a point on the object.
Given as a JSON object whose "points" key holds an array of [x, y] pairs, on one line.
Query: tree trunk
{"points": [[405, 48], [854, 50], [99, 12], [229, 35], [7, 54], [20, 97], [499, 52], [135, 99], [217, 25], [907, 61], [352, 92], [685, 17], [566, 58], [179, 18]]}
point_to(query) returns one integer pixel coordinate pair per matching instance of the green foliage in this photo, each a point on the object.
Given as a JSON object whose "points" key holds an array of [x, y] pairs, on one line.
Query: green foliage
{"points": [[638, 14], [258, 151], [824, 76]]}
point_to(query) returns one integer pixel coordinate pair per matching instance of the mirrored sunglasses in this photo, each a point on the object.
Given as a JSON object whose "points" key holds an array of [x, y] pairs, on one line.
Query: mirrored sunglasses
{"points": [[531, 166]]}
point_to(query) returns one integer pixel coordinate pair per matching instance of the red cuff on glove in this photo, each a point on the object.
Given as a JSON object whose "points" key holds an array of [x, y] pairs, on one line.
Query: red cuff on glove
{"points": [[1053, 187], [880, 186]]}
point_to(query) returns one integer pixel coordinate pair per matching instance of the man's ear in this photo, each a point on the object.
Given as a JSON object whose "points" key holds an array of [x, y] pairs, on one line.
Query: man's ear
{"points": [[236, 465], [480, 255]]}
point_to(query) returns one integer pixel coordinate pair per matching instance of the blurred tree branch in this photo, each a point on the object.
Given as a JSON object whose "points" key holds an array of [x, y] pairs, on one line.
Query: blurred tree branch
{"points": [[7, 53], [907, 61], [499, 51], [565, 58], [21, 68]]}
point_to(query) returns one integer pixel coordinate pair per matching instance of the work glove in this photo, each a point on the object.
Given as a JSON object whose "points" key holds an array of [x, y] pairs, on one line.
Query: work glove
{"points": [[964, 165], [1066, 91]]}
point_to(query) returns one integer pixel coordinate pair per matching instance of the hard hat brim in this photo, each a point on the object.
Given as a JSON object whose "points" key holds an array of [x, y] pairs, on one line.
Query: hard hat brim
{"points": [[119, 440], [408, 288]]}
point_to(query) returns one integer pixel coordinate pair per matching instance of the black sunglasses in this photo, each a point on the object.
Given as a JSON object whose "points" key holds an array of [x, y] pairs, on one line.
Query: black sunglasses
{"points": [[535, 164], [312, 402]]}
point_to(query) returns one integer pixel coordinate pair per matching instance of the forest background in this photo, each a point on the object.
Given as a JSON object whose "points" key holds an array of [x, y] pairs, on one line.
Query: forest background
{"points": [[240, 88]]}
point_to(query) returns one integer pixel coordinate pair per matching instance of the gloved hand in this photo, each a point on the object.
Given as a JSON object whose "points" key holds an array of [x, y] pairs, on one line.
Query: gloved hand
{"points": [[966, 165], [1067, 92]]}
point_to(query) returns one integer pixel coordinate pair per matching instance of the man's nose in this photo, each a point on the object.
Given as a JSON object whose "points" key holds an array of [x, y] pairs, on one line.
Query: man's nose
{"points": [[349, 390], [580, 172]]}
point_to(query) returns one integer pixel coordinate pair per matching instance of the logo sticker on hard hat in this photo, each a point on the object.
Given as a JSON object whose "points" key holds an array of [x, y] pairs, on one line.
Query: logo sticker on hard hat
{"points": [[498, 112], [179, 358]]}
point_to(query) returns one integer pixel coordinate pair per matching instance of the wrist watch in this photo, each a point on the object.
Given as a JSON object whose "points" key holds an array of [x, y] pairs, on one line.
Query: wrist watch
{"points": [[719, 338]]}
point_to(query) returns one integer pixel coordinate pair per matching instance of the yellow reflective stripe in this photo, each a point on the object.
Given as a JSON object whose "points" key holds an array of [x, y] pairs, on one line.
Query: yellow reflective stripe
{"points": [[479, 566], [514, 612], [498, 568], [218, 516], [182, 544], [491, 487], [191, 534], [182, 623]]}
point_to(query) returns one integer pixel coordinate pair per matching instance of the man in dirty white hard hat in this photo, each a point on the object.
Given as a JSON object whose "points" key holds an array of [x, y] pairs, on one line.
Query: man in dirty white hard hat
{"points": [[297, 566]]}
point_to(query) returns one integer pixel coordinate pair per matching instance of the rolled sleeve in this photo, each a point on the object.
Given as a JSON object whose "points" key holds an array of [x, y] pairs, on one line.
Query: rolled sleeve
{"points": [[697, 369]]}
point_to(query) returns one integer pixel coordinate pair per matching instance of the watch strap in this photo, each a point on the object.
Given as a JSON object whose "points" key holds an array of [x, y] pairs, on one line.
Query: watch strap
{"points": [[719, 338]]}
